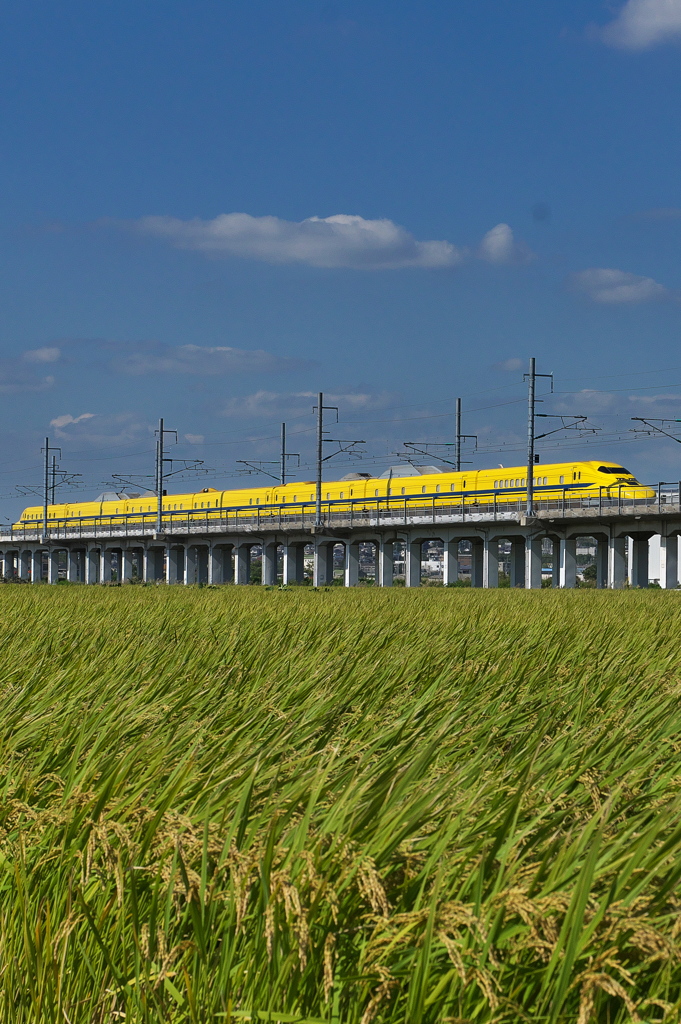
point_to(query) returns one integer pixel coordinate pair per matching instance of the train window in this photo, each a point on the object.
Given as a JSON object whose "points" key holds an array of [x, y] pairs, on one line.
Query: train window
{"points": [[295, 497], [327, 495], [452, 487], [351, 493], [201, 504], [342, 494], [181, 506], [437, 488], [574, 475], [423, 490], [496, 484], [546, 480], [522, 482], [402, 491], [614, 469], [250, 501], [579, 476], [562, 479], [505, 483], [464, 483], [375, 494], [257, 501]]}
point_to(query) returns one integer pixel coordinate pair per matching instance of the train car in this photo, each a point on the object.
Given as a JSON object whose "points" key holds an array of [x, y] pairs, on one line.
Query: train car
{"points": [[593, 480]]}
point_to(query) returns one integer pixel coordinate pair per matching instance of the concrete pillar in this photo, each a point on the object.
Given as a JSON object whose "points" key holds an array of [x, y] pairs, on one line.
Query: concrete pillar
{"points": [[351, 563], [568, 563], [7, 565], [215, 556], [617, 562], [669, 562], [517, 562], [450, 564], [477, 562], [92, 561], [174, 564], [269, 564], [24, 565], [602, 558], [36, 566], [72, 560], [153, 564], [242, 564], [384, 563], [125, 565], [555, 562], [202, 559], [190, 565], [412, 563], [639, 563], [228, 560], [294, 563], [533, 546], [220, 567], [323, 564], [53, 566], [490, 565], [105, 565]]}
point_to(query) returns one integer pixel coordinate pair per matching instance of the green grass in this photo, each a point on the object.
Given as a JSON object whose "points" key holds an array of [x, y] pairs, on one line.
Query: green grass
{"points": [[294, 805]]}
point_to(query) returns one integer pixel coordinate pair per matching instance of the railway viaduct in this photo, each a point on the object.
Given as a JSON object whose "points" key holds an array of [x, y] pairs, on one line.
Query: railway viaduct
{"points": [[218, 549]]}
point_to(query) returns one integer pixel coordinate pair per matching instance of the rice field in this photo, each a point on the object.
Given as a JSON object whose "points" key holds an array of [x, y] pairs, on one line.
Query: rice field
{"points": [[288, 805]]}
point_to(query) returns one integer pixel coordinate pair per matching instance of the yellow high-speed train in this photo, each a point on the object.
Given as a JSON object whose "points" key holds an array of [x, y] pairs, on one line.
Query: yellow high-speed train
{"points": [[436, 485]]}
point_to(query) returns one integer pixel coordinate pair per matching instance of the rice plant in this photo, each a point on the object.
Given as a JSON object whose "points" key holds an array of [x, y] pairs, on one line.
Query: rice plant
{"points": [[233, 804]]}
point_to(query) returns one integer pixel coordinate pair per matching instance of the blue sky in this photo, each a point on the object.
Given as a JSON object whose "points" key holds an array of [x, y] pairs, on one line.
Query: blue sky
{"points": [[502, 181]]}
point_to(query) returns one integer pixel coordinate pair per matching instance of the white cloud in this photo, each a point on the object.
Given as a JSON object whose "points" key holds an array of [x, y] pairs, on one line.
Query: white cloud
{"points": [[154, 357], [654, 399], [499, 246], [338, 241], [21, 374], [99, 429], [588, 401], [64, 421], [263, 404], [641, 24], [508, 365], [42, 355], [617, 286], [16, 377]]}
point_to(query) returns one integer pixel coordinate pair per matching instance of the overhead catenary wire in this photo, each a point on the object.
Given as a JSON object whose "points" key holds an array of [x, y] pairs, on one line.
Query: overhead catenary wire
{"points": [[121, 450]]}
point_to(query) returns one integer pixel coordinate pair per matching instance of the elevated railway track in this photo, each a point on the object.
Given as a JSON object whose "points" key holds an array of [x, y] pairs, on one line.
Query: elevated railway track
{"points": [[216, 545]]}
